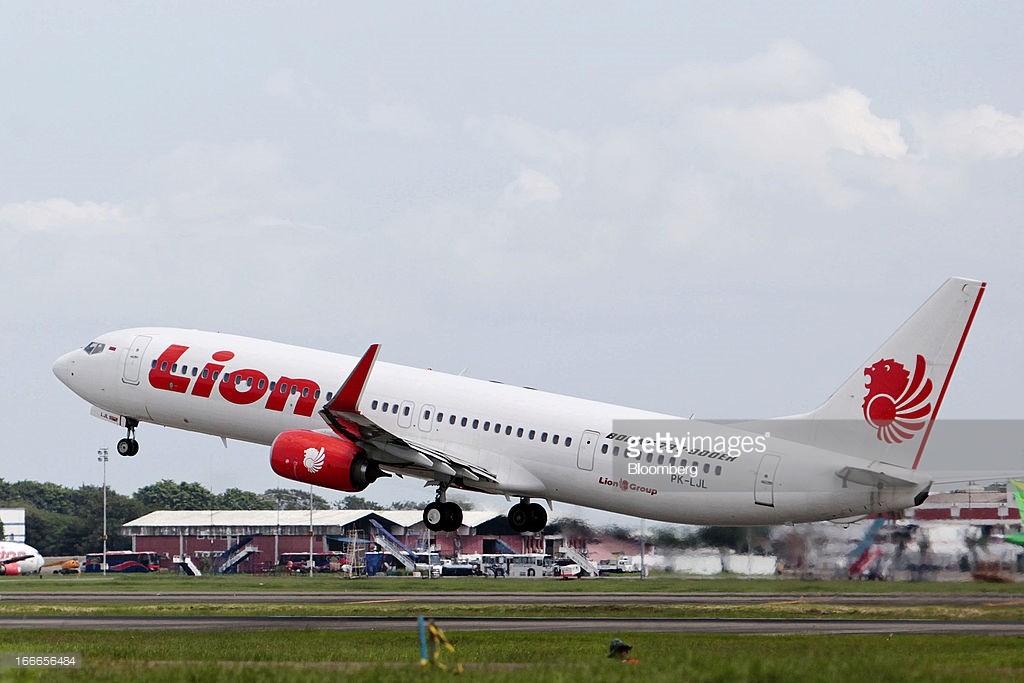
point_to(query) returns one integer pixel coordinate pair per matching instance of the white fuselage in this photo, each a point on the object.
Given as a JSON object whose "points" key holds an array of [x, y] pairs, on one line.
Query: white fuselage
{"points": [[27, 558], [166, 376]]}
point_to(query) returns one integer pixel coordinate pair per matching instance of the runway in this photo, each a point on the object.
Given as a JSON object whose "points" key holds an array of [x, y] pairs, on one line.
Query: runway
{"points": [[509, 598], [559, 625]]}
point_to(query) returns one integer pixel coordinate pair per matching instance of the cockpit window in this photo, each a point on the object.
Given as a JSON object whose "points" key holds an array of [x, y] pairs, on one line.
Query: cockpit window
{"points": [[94, 347]]}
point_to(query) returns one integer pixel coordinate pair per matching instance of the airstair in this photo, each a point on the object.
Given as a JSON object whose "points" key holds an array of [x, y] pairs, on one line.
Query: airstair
{"points": [[235, 554], [582, 560], [503, 548], [185, 564], [392, 545]]}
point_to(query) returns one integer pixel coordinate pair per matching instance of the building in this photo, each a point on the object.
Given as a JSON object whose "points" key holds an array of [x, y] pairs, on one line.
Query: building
{"points": [[256, 539]]}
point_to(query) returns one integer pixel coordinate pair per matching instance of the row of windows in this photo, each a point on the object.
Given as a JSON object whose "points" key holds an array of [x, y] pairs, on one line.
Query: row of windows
{"points": [[238, 378], [474, 423]]}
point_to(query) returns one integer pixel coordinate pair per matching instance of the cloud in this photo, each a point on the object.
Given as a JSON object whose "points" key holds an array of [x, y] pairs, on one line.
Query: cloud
{"points": [[980, 134], [59, 215], [785, 71], [530, 187]]}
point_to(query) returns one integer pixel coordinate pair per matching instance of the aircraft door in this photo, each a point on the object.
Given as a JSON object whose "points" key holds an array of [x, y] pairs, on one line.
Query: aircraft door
{"points": [[426, 416], [133, 359], [405, 411], [585, 455], [764, 486]]}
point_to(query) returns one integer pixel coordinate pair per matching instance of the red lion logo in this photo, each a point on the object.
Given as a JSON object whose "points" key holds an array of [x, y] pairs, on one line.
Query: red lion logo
{"points": [[895, 402]]}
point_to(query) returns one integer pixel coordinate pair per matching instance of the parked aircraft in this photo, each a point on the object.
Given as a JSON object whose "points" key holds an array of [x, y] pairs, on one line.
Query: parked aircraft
{"points": [[18, 558], [856, 454]]}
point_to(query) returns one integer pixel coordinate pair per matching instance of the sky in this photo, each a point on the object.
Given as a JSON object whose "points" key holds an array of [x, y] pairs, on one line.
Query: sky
{"points": [[709, 209]]}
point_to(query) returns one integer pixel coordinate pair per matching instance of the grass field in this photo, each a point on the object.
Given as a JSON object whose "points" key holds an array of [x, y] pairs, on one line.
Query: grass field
{"points": [[312, 655], [497, 657], [327, 582]]}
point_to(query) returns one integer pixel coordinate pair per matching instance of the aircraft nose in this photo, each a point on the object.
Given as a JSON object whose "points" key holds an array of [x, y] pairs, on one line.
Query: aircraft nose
{"points": [[63, 367]]}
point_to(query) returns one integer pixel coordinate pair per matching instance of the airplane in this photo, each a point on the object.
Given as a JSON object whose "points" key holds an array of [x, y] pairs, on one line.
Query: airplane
{"points": [[1017, 486], [342, 422], [18, 558]]}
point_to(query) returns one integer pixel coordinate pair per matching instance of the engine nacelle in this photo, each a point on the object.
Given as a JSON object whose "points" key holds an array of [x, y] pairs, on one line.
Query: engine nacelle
{"points": [[323, 460], [10, 569]]}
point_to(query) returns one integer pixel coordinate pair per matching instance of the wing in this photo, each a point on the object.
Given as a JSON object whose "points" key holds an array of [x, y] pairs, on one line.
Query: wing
{"points": [[390, 450], [12, 560]]}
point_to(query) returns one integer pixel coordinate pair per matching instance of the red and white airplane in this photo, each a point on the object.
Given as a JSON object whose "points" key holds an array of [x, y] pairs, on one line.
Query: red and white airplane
{"points": [[856, 454], [18, 558]]}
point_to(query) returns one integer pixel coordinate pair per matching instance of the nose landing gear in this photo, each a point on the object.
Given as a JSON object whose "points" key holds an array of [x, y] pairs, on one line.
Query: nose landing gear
{"points": [[129, 446]]}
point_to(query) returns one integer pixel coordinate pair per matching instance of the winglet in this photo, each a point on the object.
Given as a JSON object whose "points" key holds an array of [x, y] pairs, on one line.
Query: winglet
{"points": [[348, 395]]}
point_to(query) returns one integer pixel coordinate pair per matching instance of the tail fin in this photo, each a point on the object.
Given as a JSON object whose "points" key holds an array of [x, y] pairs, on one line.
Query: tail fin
{"points": [[886, 409], [1017, 486]]}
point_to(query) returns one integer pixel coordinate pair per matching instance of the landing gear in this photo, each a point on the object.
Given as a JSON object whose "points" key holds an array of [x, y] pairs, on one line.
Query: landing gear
{"points": [[128, 445], [441, 515], [525, 516]]}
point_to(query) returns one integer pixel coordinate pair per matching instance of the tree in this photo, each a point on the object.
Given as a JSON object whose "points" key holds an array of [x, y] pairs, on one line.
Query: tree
{"points": [[295, 499], [237, 499], [357, 503], [167, 495]]}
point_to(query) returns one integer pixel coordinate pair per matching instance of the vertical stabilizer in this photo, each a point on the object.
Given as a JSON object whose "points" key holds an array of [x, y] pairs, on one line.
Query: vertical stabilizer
{"points": [[885, 410]]}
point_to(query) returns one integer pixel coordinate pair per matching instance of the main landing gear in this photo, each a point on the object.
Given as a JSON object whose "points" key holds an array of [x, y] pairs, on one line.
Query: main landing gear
{"points": [[525, 516], [441, 515], [128, 445]]}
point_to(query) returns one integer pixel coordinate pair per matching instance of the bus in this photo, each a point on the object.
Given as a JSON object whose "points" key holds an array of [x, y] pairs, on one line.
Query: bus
{"points": [[528, 565], [122, 561]]}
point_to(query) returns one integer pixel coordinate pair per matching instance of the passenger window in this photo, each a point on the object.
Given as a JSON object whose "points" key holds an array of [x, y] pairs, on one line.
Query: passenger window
{"points": [[532, 434], [163, 367], [405, 411], [373, 404], [451, 419], [153, 364], [508, 430], [328, 396], [487, 426], [568, 441], [718, 471], [465, 421], [615, 451], [206, 372], [707, 468], [554, 439], [394, 409], [426, 414], [385, 406], [519, 432], [476, 423], [174, 368], [497, 428], [604, 448], [440, 417], [543, 437]]}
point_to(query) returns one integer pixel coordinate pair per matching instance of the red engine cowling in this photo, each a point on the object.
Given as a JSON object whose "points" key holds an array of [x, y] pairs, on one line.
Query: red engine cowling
{"points": [[323, 460], [10, 569]]}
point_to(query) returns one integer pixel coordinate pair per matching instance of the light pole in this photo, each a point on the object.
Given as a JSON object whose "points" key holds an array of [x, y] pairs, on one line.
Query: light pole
{"points": [[102, 453]]}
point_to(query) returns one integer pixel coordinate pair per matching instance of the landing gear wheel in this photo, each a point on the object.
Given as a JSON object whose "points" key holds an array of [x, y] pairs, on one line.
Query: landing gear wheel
{"points": [[434, 516], [519, 517], [452, 514], [537, 517], [127, 447]]}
